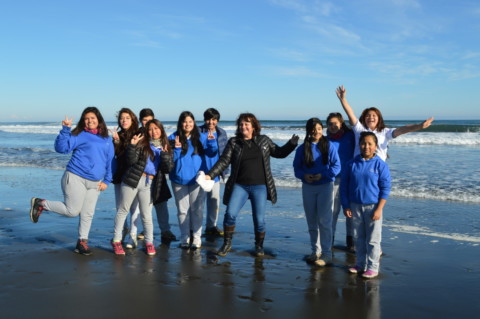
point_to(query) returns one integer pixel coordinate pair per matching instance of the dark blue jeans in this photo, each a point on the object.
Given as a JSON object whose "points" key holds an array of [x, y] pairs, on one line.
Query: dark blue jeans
{"points": [[257, 194]]}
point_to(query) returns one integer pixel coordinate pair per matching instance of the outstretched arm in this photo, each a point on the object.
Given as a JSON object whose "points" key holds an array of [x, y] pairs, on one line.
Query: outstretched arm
{"points": [[412, 127], [342, 96]]}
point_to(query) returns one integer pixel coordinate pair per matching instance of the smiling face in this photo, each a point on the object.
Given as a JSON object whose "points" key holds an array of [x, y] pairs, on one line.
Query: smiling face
{"points": [[187, 125], [246, 129], [211, 124], [371, 120], [125, 121], [334, 125], [317, 133], [91, 121], [154, 132], [368, 146]]}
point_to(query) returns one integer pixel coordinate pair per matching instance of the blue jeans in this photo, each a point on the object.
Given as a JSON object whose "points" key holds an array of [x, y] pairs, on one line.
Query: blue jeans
{"points": [[257, 194]]}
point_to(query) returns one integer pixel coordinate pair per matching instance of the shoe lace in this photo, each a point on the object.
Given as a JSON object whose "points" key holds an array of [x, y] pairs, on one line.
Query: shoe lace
{"points": [[83, 245]]}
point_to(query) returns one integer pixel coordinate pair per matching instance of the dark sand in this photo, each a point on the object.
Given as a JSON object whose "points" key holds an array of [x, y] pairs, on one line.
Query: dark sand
{"points": [[422, 276]]}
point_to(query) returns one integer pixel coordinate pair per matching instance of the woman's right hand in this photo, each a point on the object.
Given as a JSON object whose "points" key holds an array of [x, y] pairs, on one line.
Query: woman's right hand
{"points": [[136, 138], [207, 177], [347, 212], [341, 92], [67, 121], [177, 142]]}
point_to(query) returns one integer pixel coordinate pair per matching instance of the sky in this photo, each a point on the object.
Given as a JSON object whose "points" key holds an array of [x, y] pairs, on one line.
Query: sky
{"points": [[279, 59]]}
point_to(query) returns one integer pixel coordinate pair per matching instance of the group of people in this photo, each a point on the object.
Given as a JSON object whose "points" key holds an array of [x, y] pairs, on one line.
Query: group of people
{"points": [[346, 169]]}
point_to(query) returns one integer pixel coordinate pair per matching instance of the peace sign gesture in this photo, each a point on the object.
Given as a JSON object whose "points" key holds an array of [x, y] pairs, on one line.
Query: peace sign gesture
{"points": [[136, 138], [177, 142], [210, 135], [115, 133], [67, 121]]}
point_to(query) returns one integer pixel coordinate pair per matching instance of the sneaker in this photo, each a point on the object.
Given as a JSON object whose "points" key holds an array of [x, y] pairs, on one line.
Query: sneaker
{"points": [[168, 236], [323, 261], [195, 247], [214, 231], [150, 249], [36, 209], [313, 257], [355, 269], [117, 248], [141, 236], [185, 245], [370, 274], [131, 243], [82, 248]]}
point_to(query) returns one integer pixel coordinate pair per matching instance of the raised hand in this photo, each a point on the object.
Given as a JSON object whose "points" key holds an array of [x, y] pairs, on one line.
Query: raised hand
{"points": [[294, 139], [136, 138], [210, 135], [177, 142], [115, 133], [67, 121], [341, 92], [427, 123]]}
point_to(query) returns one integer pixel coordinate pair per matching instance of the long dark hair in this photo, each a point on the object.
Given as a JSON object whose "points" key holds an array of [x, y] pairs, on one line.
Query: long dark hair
{"points": [[125, 136], [381, 123], [248, 117], [194, 135], [323, 145], [102, 127], [144, 143]]}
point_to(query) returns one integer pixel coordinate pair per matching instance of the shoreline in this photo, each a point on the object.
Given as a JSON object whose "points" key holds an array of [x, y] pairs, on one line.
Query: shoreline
{"points": [[422, 275]]}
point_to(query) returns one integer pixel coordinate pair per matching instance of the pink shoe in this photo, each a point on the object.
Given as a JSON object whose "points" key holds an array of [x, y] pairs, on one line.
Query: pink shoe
{"points": [[117, 248], [370, 274], [150, 249]]}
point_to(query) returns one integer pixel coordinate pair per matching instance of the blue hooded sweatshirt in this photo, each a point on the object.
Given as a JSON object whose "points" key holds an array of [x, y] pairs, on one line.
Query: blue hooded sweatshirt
{"points": [[92, 154], [188, 165], [365, 181], [328, 171]]}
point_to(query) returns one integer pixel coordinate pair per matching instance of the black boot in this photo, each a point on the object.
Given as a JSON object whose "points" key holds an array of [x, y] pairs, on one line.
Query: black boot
{"points": [[227, 240], [259, 237], [350, 244]]}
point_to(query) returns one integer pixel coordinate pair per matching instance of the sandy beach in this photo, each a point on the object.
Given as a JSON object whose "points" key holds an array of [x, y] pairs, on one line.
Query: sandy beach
{"points": [[424, 274]]}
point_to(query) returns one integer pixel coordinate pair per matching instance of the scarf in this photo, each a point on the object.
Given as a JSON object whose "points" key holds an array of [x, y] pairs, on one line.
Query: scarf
{"points": [[94, 131], [337, 135], [157, 143]]}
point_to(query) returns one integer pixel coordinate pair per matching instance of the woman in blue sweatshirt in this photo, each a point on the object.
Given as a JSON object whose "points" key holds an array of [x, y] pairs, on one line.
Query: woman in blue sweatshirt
{"points": [[342, 137], [364, 190], [190, 148], [88, 172], [317, 163]]}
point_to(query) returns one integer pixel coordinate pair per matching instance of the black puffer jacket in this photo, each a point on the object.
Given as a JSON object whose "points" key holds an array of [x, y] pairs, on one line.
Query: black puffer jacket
{"points": [[233, 154], [136, 166]]}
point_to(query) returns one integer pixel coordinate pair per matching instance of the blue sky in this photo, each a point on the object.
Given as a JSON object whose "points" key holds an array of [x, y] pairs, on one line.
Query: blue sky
{"points": [[280, 59]]}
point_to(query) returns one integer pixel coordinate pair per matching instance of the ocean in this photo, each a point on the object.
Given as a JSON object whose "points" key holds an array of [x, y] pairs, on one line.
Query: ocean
{"points": [[440, 163]]}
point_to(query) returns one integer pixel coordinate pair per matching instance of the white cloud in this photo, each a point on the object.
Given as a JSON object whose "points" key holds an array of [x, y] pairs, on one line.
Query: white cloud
{"points": [[296, 5], [291, 55]]}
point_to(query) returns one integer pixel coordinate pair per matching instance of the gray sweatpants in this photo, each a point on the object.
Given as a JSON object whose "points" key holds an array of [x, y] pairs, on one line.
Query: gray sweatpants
{"points": [[80, 198], [128, 194], [213, 205]]}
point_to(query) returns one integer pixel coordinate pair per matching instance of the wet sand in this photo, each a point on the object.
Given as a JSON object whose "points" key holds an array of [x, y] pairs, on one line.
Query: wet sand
{"points": [[421, 276]]}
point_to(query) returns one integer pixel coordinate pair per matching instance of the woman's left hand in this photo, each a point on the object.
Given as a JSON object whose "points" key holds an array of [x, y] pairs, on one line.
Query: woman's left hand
{"points": [[136, 138], [294, 139], [102, 186]]}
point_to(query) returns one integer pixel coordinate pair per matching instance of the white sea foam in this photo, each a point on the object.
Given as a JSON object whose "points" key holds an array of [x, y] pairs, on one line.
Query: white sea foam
{"points": [[427, 232]]}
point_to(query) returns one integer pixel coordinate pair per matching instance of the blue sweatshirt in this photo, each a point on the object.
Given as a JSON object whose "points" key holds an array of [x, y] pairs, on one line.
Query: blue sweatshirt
{"points": [[345, 146], [222, 139], [365, 182], [151, 167], [92, 154], [328, 171], [188, 165]]}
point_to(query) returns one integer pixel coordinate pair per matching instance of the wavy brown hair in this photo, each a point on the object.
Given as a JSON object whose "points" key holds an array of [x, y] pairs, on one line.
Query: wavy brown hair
{"points": [[381, 124], [248, 117]]}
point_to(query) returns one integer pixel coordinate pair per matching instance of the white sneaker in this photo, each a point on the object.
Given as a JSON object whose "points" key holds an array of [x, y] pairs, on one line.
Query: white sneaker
{"points": [[132, 242]]}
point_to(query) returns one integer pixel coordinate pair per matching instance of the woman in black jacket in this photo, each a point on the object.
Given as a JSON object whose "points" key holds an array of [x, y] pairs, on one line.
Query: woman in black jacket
{"points": [[148, 159], [251, 177]]}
